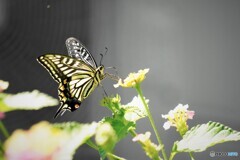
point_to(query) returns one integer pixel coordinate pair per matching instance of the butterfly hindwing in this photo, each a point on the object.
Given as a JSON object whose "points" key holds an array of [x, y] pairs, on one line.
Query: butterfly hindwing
{"points": [[77, 50]]}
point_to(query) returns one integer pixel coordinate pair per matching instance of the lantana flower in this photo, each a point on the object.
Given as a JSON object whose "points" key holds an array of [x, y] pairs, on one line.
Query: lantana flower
{"points": [[149, 147], [132, 79], [42, 141], [45, 141], [178, 118]]}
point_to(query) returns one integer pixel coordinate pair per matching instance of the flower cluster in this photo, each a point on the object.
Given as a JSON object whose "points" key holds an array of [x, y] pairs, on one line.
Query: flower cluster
{"points": [[41, 141], [132, 79], [178, 118], [149, 147]]}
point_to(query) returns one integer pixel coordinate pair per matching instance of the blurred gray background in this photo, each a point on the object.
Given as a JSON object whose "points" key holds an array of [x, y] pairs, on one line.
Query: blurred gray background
{"points": [[192, 48]]}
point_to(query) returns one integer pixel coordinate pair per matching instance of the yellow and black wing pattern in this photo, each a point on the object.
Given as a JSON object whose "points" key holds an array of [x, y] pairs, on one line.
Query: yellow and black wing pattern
{"points": [[76, 78]]}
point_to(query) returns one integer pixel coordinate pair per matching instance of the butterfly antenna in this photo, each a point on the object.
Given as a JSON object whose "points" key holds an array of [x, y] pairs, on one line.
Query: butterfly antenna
{"points": [[101, 58], [103, 55]]}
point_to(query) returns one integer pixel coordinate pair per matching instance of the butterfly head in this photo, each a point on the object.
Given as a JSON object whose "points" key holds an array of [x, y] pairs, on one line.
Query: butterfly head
{"points": [[100, 72]]}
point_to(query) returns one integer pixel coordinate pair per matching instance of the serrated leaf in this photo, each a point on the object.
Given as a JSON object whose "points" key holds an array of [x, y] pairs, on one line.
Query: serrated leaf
{"points": [[26, 101], [200, 137]]}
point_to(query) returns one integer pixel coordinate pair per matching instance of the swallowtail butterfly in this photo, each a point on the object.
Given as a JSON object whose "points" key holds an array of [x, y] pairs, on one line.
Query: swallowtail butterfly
{"points": [[76, 74]]}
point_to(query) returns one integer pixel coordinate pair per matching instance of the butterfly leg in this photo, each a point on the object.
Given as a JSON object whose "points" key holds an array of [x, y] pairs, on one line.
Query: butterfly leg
{"points": [[104, 90], [112, 76]]}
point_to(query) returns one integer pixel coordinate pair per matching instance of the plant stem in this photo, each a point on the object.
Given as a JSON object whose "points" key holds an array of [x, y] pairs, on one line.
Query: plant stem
{"points": [[115, 157], [172, 155], [133, 133], [91, 144], [1, 149], [110, 156], [138, 88], [4, 130], [191, 155]]}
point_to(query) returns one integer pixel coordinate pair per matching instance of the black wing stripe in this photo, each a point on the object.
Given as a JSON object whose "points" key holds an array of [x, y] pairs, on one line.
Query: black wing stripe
{"points": [[51, 68]]}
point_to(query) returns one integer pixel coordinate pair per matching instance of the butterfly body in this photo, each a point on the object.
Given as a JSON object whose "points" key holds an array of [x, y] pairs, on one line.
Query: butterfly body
{"points": [[77, 76]]}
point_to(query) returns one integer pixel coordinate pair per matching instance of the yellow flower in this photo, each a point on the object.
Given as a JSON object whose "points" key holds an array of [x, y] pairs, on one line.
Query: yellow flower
{"points": [[132, 79], [42, 141]]}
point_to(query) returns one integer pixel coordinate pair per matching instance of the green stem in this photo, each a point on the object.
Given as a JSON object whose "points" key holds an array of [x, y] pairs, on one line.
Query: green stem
{"points": [[172, 155], [4, 130], [91, 144], [109, 155], [133, 133], [1, 149], [191, 155], [138, 88], [115, 157]]}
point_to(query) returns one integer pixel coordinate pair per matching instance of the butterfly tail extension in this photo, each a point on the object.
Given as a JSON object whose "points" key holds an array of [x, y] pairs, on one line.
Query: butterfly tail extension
{"points": [[60, 111]]}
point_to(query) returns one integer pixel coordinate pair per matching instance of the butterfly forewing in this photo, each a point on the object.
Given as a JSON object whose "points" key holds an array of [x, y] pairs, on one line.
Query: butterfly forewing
{"points": [[77, 50], [61, 67]]}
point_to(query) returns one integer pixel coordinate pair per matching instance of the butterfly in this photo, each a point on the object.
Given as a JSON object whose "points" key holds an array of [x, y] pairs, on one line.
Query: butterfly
{"points": [[77, 74]]}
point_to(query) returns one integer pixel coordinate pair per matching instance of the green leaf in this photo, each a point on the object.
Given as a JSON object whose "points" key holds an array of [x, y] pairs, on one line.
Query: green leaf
{"points": [[135, 110], [26, 101], [200, 137], [120, 125]]}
